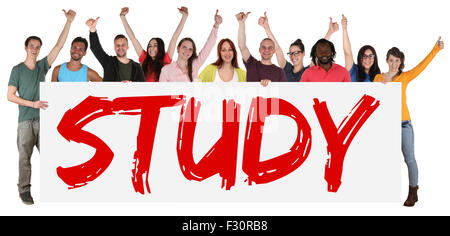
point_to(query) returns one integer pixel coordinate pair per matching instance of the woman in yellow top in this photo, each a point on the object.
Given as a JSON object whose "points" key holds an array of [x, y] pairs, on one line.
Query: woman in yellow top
{"points": [[395, 59], [226, 68]]}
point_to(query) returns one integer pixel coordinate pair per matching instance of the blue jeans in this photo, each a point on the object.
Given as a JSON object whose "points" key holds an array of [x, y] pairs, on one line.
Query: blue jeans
{"points": [[408, 152]]}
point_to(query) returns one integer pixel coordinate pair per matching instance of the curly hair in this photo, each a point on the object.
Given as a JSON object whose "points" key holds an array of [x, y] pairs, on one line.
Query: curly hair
{"points": [[314, 49]]}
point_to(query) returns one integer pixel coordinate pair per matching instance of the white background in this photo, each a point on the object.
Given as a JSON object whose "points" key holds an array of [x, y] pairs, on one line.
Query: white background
{"points": [[413, 26]]}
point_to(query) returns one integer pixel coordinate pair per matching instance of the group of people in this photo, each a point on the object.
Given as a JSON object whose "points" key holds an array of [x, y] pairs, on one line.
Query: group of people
{"points": [[156, 65]]}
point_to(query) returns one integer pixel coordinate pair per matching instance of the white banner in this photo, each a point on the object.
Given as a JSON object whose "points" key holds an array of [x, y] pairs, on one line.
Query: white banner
{"points": [[171, 142]]}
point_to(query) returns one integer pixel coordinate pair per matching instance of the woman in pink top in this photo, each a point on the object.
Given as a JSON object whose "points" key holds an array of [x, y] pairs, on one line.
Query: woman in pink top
{"points": [[186, 68], [155, 57]]}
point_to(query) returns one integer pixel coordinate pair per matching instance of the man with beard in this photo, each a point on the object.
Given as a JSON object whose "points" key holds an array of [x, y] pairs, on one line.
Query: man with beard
{"points": [[324, 69], [258, 71], [115, 68], [74, 71]]}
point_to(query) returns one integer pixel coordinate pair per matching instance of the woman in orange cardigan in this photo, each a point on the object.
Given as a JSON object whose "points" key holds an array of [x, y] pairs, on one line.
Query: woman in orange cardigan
{"points": [[395, 59]]}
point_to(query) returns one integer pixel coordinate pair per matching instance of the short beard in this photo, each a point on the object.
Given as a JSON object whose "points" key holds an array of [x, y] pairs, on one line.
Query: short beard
{"points": [[330, 60], [121, 56], [75, 59]]}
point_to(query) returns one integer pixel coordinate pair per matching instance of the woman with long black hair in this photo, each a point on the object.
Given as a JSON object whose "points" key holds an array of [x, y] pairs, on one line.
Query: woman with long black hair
{"points": [[155, 57], [366, 67]]}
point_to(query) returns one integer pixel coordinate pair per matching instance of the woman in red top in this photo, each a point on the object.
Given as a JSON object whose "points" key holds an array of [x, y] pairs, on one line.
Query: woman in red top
{"points": [[155, 57]]}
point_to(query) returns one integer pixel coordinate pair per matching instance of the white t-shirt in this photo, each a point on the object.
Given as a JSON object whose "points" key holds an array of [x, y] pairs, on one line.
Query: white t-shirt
{"points": [[217, 79]]}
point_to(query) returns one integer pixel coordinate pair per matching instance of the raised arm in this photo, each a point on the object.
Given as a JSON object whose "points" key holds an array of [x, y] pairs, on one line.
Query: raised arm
{"points": [[70, 15], [210, 42], [264, 22], [412, 74], [137, 46], [92, 24], [241, 17], [96, 47], [332, 28], [347, 46], [173, 42]]}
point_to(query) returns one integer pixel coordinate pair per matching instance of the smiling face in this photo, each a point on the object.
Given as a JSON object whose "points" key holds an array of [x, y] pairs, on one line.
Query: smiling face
{"points": [[33, 48], [267, 49], [121, 47], [77, 51], [324, 54], [368, 59], [152, 48], [226, 52], [394, 63], [296, 55], [185, 50]]}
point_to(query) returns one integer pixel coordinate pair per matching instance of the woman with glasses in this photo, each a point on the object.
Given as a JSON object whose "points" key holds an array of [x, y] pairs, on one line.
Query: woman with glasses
{"points": [[294, 70], [367, 63], [395, 59]]}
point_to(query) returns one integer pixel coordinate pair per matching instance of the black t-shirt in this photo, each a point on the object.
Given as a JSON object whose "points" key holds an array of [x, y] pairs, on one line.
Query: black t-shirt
{"points": [[290, 75]]}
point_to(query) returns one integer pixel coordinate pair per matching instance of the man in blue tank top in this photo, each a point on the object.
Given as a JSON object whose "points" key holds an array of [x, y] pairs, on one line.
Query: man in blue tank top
{"points": [[74, 71]]}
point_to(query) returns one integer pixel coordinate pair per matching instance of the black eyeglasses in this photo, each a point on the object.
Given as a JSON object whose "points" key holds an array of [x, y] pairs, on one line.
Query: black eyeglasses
{"points": [[371, 56], [293, 53]]}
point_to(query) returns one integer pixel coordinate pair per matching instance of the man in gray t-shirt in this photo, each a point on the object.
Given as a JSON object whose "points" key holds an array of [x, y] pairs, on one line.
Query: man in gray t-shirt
{"points": [[24, 80]]}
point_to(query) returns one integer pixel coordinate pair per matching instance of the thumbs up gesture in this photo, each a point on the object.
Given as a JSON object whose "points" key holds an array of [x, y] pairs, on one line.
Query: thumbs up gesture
{"points": [[92, 24], [70, 15], [217, 19], [440, 43]]}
